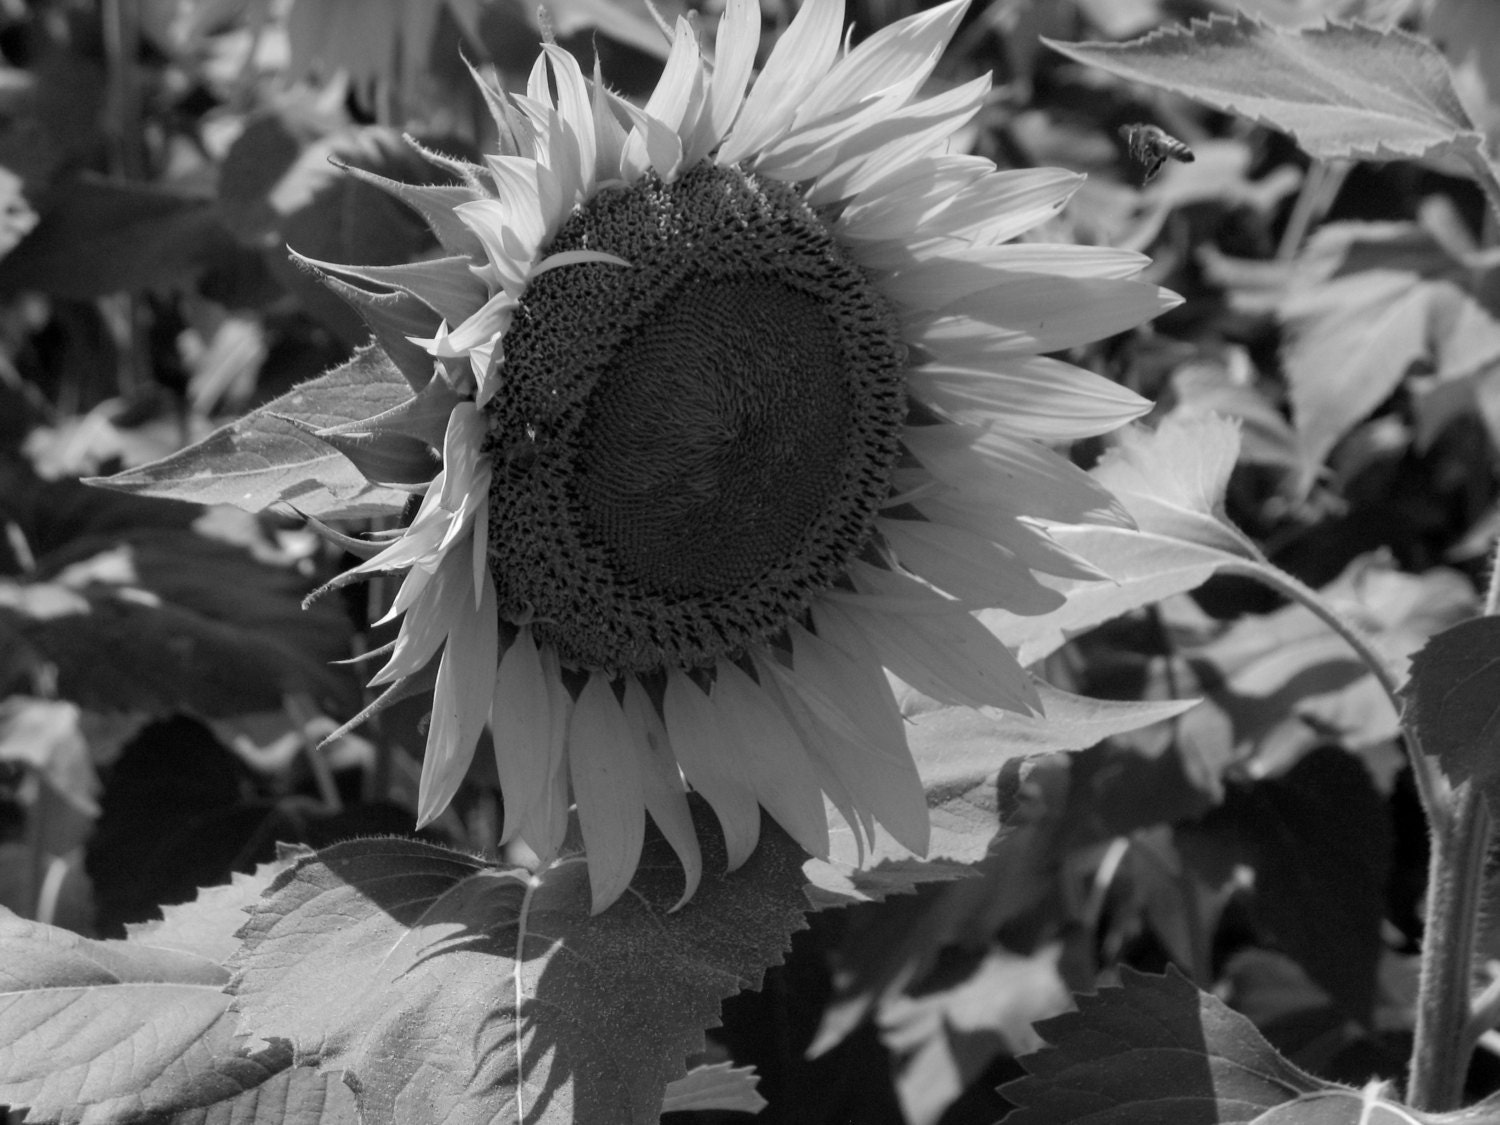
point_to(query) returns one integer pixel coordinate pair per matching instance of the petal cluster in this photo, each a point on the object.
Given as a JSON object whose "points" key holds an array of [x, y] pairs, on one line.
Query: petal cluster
{"points": [[785, 725]]}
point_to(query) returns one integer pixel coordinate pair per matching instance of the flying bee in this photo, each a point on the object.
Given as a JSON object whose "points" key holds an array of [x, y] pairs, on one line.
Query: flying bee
{"points": [[1153, 147]]}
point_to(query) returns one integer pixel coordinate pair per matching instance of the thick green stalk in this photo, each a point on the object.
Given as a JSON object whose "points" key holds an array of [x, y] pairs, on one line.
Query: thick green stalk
{"points": [[1459, 822], [1444, 1039], [1455, 881]]}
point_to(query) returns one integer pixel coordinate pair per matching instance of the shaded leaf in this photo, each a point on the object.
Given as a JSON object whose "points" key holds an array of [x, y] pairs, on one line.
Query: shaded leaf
{"points": [[102, 236], [261, 460], [438, 982], [1319, 838], [1153, 1049], [125, 608], [1454, 699], [1038, 810], [1342, 92]]}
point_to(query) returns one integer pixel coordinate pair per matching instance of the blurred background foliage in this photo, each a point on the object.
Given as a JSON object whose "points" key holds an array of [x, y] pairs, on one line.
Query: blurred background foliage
{"points": [[162, 693]]}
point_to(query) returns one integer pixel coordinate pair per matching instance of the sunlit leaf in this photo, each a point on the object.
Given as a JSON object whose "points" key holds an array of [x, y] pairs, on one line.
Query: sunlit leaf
{"points": [[1171, 481], [447, 988], [720, 1086], [1342, 92], [262, 460], [206, 926], [115, 1029]]}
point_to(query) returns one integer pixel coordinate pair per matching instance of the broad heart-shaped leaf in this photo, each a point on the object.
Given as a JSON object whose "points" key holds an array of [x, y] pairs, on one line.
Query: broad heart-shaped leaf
{"points": [[263, 459], [127, 607], [206, 927], [298, 1095], [1155, 1049], [449, 990], [1171, 480], [117, 1031], [110, 1031], [1341, 92], [1453, 697]]}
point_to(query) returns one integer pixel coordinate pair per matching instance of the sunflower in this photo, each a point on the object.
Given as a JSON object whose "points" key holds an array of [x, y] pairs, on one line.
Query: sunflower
{"points": [[742, 403]]}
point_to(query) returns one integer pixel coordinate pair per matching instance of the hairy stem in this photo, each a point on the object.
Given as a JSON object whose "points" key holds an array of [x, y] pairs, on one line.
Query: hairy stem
{"points": [[1444, 1038], [1443, 1044]]}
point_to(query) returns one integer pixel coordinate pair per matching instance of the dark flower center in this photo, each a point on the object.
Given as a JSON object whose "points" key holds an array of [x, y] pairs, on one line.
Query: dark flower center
{"points": [[689, 449]]}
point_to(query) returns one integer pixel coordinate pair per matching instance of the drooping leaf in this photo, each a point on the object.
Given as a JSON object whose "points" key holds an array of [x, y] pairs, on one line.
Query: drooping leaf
{"points": [[1342, 92], [102, 236], [448, 989], [960, 750], [1349, 343], [1154, 1049], [261, 460], [1368, 302], [720, 1086], [110, 1031], [960, 753], [1454, 699], [1172, 481]]}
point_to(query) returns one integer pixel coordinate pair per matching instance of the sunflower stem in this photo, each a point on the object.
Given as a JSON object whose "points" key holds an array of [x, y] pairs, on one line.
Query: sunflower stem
{"points": [[1459, 822], [1455, 881], [1444, 1038]]}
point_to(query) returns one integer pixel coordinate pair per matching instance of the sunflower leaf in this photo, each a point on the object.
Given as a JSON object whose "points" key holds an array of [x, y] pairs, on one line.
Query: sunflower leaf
{"points": [[437, 981], [262, 459], [720, 1086], [1171, 481], [1451, 696], [158, 1040], [1158, 1049], [1342, 92]]}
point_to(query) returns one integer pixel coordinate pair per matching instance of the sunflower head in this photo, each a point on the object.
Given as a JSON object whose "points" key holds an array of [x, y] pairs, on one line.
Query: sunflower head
{"points": [[741, 406]]}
